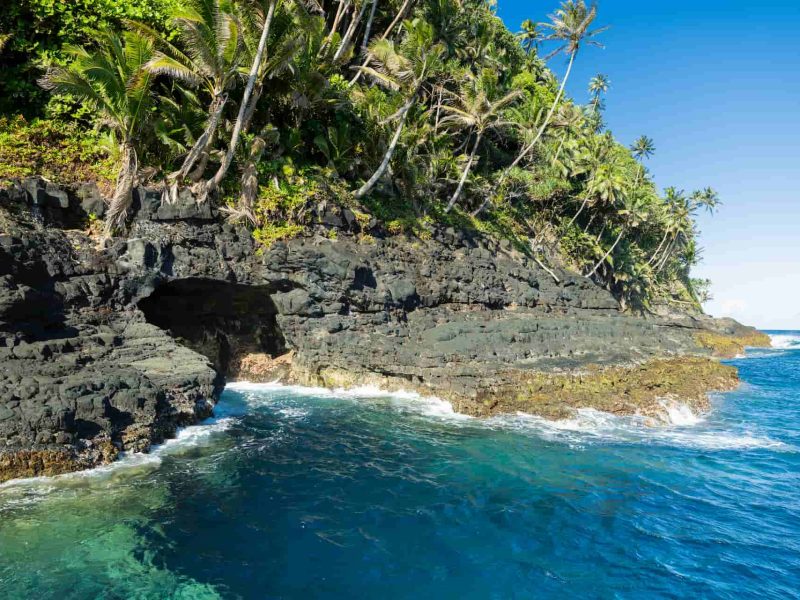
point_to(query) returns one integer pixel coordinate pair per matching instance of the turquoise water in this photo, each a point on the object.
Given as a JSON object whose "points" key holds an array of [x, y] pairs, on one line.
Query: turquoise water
{"points": [[292, 493]]}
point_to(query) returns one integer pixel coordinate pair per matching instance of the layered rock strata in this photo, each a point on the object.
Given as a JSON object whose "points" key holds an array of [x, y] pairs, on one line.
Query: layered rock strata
{"points": [[108, 350]]}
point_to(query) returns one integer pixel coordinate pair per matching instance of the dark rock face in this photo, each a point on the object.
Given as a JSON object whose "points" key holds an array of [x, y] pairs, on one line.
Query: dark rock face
{"points": [[108, 350]]}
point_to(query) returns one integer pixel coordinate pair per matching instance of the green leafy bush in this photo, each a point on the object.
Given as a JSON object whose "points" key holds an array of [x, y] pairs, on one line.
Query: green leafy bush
{"points": [[63, 152]]}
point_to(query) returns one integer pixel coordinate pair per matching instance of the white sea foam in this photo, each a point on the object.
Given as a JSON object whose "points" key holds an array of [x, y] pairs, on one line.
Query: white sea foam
{"points": [[680, 414], [590, 426], [185, 437], [785, 341], [678, 427], [412, 401]]}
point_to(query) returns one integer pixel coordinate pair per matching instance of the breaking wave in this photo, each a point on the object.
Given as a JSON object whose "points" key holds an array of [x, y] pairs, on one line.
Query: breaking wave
{"points": [[785, 341], [185, 438], [679, 426]]}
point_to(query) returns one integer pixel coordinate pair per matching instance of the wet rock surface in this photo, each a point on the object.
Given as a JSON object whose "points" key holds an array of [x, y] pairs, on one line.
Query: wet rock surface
{"points": [[108, 350]]}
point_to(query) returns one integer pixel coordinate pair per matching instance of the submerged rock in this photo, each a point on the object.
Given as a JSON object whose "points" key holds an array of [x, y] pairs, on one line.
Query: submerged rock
{"points": [[109, 350]]}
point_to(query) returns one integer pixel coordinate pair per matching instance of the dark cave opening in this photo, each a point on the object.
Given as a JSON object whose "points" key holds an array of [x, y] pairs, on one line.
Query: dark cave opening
{"points": [[220, 320]]}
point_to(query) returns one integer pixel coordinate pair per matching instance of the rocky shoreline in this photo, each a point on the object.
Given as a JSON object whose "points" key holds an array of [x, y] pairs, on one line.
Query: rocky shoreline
{"points": [[109, 350]]}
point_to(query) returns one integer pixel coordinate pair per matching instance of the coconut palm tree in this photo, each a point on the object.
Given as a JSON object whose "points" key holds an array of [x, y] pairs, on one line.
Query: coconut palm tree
{"points": [[634, 212], [211, 34], [643, 148], [598, 85], [570, 27], [113, 80], [477, 107], [405, 69], [600, 165], [530, 36], [399, 16], [673, 198], [247, 103]]}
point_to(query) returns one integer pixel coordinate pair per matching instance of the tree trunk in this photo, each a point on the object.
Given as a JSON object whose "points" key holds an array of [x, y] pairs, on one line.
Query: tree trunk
{"points": [[464, 175], [549, 116], [602, 231], [350, 31], [367, 187], [667, 252], [244, 107], [558, 151], [530, 146], [368, 30], [663, 240], [389, 29], [343, 7], [123, 192], [577, 214], [250, 181], [589, 224], [200, 145], [607, 254]]}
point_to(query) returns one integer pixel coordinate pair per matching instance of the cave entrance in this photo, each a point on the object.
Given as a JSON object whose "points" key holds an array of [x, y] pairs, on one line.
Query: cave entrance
{"points": [[222, 321]]}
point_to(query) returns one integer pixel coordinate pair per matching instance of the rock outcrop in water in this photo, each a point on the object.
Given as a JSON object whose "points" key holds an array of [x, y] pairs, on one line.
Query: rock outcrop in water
{"points": [[110, 350]]}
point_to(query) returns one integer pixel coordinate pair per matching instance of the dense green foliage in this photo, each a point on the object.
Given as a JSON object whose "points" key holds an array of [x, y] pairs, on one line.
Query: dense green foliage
{"points": [[414, 111]]}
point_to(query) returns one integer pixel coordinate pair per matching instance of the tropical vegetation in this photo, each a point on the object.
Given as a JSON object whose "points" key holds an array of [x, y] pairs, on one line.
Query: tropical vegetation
{"points": [[418, 112]]}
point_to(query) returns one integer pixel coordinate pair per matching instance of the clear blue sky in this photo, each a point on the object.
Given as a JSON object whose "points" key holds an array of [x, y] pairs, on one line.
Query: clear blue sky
{"points": [[716, 84]]}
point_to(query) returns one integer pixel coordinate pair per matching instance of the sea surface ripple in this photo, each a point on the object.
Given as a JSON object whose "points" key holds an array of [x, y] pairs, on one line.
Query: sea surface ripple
{"points": [[308, 493]]}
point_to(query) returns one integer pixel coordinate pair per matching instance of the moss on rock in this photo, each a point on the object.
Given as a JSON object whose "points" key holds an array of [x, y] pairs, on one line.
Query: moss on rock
{"points": [[730, 346]]}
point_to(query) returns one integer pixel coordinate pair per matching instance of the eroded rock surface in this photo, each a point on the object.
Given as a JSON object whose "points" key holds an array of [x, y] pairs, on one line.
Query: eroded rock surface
{"points": [[109, 350]]}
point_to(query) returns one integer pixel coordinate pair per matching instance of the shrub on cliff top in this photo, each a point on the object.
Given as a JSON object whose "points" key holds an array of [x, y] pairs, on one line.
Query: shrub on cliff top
{"points": [[63, 152]]}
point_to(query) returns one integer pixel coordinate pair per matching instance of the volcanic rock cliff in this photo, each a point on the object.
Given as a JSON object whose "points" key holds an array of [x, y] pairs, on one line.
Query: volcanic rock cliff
{"points": [[109, 350]]}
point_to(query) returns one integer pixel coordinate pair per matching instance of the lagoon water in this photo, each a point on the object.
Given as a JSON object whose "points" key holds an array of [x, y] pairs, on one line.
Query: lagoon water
{"points": [[302, 493]]}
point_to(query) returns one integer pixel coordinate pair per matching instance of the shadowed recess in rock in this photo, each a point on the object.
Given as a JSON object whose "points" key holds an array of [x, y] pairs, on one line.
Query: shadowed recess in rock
{"points": [[222, 321]]}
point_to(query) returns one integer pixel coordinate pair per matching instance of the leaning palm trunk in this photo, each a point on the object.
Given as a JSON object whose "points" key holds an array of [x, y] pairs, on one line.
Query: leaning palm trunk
{"points": [[345, 43], [123, 192], [464, 175], [539, 134], [199, 147], [661, 245], [607, 254], [367, 187], [340, 12], [245, 105], [546, 122], [368, 28], [578, 214], [667, 254], [400, 14], [244, 208]]}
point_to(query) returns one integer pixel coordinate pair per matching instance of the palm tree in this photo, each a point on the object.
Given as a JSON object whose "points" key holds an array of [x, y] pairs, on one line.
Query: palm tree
{"points": [[530, 36], [4, 37], [211, 34], [401, 13], [477, 108], [247, 104], [114, 81], [634, 212], [598, 85], [598, 162], [707, 198], [641, 149], [404, 69], [672, 199], [570, 26]]}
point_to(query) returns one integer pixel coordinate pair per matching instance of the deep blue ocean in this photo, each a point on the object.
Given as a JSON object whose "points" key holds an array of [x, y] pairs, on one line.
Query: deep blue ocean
{"points": [[300, 493]]}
